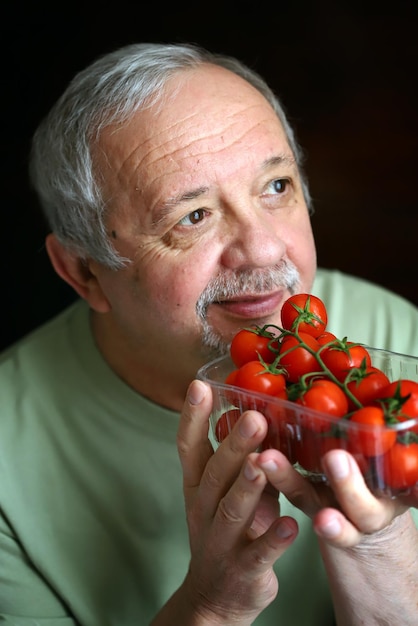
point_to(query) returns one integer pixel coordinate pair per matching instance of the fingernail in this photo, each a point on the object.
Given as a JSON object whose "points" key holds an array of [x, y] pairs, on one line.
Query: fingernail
{"points": [[338, 465], [250, 472], [196, 392], [269, 466], [331, 529], [247, 427], [283, 530]]}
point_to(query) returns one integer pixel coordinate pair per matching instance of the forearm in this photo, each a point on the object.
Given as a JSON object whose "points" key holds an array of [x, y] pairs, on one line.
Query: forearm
{"points": [[376, 583]]}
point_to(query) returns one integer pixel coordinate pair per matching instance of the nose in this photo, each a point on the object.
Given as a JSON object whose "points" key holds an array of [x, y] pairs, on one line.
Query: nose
{"points": [[253, 241]]}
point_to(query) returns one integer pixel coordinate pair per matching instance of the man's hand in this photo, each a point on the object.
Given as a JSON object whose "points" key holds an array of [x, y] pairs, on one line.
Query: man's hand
{"points": [[343, 512], [236, 532]]}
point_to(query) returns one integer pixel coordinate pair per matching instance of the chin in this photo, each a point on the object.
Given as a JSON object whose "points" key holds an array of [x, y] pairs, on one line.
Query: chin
{"points": [[214, 344]]}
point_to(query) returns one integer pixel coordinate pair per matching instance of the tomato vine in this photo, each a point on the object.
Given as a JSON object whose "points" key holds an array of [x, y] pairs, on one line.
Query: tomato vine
{"points": [[301, 361]]}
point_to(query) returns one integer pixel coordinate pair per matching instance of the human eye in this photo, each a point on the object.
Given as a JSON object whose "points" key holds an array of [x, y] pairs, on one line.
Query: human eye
{"points": [[193, 218], [278, 186]]}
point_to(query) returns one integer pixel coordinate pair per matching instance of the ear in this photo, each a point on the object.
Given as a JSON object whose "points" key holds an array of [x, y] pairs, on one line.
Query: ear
{"points": [[77, 274]]}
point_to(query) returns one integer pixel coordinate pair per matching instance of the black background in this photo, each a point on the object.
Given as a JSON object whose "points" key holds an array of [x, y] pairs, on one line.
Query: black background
{"points": [[346, 72]]}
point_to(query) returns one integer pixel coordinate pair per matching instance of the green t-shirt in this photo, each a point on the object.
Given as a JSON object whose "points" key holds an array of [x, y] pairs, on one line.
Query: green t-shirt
{"points": [[92, 522]]}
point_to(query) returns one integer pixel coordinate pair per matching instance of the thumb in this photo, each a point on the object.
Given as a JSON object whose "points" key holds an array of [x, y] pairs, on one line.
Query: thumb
{"points": [[193, 445]]}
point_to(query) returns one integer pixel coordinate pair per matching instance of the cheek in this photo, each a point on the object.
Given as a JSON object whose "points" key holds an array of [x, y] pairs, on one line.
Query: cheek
{"points": [[301, 250], [172, 287]]}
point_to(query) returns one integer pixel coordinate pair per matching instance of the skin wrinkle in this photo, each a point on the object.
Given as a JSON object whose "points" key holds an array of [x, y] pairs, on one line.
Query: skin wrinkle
{"points": [[174, 201], [166, 208], [376, 545], [248, 283], [372, 552], [147, 161], [284, 158], [194, 280], [237, 165]]}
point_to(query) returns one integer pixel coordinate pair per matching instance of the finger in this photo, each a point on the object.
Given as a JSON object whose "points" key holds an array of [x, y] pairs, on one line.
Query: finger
{"points": [[248, 517], [332, 526], [251, 505], [286, 479], [235, 513], [193, 445], [267, 548], [203, 471], [367, 512], [224, 467]]}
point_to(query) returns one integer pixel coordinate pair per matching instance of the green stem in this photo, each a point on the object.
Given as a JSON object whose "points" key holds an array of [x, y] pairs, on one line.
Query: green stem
{"points": [[324, 368]]}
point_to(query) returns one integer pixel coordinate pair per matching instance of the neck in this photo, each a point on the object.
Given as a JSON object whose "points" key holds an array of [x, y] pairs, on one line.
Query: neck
{"points": [[154, 371]]}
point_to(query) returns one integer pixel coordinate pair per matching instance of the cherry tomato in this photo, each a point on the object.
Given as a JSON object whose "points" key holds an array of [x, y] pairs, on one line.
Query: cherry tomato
{"points": [[400, 465], [281, 431], [233, 396], [306, 313], [255, 376], [400, 400], [326, 337], [343, 355], [225, 423], [376, 438], [298, 361], [231, 377], [404, 397], [367, 385], [327, 397], [310, 447], [251, 343]]}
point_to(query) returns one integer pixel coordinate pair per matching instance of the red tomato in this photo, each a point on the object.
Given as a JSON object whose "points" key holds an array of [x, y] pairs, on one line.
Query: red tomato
{"points": [[251, 343], [324, 396], [298, 360], [310, 448], [343, 355], [404, 397], [230, 379], [255, 376], [305, 313], [281, 430], [326, 337], [400, 465], [231, 395], [225, 423], [400, 400], [375, 438], [367, 385]]}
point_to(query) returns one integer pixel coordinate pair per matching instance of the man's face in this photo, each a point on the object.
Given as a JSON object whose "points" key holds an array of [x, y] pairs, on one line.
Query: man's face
{"points": [[205, 199]]}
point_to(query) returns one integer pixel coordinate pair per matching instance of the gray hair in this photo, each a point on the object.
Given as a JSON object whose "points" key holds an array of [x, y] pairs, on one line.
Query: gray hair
{"points": [[109, 91]]}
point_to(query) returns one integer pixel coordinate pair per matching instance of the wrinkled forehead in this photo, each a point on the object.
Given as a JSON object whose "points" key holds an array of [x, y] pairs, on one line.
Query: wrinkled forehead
{"points": [[199, 96], [206, 117]]}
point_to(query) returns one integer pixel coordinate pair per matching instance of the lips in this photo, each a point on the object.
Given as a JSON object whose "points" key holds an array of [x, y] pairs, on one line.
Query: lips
{"points": [[253, 307]]}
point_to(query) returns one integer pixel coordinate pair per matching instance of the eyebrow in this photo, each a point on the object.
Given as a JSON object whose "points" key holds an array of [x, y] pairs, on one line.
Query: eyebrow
{"points": [[166, 207], [282, 159]]}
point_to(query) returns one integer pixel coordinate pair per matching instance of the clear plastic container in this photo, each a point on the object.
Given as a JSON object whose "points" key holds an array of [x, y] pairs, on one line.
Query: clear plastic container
{"points": [[304, 434]]}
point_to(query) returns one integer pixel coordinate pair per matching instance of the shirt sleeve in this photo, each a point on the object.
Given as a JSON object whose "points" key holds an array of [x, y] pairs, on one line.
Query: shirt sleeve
{"points": [[25, 597]]}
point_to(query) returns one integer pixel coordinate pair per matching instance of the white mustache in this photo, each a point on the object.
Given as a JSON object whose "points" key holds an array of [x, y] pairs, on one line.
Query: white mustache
{"points": [[248, 282]]}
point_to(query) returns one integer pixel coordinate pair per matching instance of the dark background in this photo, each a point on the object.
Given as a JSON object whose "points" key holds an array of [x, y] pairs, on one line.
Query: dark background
{"points": [[346, 72]]}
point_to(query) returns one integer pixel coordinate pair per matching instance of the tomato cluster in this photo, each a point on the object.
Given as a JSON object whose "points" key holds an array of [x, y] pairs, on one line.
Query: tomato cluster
{"points": [[355, 405]]}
